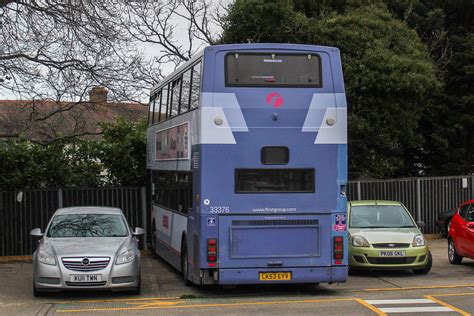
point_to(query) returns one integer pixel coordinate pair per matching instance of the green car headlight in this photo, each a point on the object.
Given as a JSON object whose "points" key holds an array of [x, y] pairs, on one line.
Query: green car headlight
{"points": [[418, 241], [359, 241]]}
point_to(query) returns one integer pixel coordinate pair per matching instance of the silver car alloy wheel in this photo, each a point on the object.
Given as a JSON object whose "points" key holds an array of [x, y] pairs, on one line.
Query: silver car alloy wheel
{"points": [[451, 251]]}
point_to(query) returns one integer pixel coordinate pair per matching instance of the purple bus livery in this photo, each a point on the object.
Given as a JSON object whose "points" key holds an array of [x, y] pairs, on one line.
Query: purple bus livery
{"points": [[247, 164]]}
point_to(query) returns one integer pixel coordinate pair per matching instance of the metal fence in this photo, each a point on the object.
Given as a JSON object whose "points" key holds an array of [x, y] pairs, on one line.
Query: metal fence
{"points": [[424, 197], [21, 211]]}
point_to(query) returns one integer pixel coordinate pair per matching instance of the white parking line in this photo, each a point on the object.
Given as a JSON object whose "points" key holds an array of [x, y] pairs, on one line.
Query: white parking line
{"points": [[418, 305], [422, 309], [402, 301]]}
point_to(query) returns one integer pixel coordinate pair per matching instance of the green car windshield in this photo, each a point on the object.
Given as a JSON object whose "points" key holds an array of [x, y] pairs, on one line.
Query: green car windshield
{"points": [[380, 216]]}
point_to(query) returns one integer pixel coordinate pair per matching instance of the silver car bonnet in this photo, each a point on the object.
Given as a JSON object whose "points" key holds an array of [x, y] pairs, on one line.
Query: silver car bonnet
{"points": [[89, 246]]}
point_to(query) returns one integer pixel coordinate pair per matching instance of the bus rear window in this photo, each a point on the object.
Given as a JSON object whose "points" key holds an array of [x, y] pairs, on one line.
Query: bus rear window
{"points": [[273, 70], [274, 180]]}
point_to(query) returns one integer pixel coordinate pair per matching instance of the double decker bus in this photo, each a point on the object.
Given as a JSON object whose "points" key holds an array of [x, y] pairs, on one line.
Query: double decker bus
{"points": [[247, 160]]}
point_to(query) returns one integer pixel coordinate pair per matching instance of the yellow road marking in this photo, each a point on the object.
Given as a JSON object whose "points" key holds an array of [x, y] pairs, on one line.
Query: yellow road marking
{"points": [[369, 306], [206, 305], [440, 302], [455, 294], [121, 300], [416, 288], [159, 303], [162, 303], [155, 303]]}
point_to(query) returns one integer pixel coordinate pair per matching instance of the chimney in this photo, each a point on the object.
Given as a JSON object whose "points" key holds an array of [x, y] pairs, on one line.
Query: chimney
{"points": [[98, 95]]}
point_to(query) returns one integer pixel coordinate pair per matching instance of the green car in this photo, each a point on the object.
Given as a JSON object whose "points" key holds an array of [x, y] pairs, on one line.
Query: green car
{"points": [[383, 235]]}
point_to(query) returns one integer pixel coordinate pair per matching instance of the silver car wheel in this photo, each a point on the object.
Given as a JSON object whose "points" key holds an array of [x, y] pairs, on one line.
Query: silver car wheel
{"points": [[451, 251]]}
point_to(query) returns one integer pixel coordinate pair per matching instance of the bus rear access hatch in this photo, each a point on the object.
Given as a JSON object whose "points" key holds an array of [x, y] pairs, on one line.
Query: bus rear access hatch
{"points": [[262, 241]]}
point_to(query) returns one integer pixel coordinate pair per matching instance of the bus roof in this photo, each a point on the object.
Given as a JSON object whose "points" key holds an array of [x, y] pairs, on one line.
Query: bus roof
{"points": [[256, 46]]}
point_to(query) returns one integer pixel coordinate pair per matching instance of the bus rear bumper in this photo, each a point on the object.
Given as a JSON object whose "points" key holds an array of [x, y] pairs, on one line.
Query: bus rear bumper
{"points": [[333, 274]]}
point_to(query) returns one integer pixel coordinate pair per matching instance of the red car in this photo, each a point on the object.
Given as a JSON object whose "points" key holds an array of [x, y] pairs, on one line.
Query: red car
{"points": [[461, 233]]}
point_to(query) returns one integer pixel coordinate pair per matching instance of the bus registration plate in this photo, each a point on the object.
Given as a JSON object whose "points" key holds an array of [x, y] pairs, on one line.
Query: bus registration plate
{"points": [[275, 276]]}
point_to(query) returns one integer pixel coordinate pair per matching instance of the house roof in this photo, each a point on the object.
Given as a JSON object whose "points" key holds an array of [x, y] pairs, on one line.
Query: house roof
{"points": [[46, 120]]}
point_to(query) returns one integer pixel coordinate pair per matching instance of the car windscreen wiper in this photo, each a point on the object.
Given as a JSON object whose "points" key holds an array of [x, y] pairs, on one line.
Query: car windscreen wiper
{"points": [[377, 227], [406, 226]]}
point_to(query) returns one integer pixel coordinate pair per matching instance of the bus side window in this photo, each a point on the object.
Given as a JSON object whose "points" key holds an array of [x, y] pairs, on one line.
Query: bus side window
{"points": [[185, 91], [173, 190], [151, 110], [156, 108], [165, 102], [158, 104], [176, 88], [196, 86]]}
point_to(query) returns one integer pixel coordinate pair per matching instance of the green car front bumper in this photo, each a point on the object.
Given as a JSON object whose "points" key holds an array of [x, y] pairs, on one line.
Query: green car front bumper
{"points": [[369, 258]]}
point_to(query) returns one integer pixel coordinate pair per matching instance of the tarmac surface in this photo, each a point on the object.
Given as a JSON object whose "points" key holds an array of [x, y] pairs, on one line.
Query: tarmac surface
{"points": [[446, 290]]}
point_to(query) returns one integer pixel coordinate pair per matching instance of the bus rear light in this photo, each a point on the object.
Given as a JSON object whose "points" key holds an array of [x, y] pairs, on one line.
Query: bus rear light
{"points": [[211, 250], [338, 244]]}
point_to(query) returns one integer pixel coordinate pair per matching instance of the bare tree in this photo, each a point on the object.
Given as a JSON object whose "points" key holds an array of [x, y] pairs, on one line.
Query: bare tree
{"points": [[177, 28], [59, 46], [56, 50]]}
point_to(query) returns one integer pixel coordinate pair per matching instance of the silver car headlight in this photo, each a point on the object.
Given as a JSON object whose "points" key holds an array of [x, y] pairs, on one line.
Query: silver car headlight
{"points": [[125, 257], [418, 241], [46, 258], [359, 241]]}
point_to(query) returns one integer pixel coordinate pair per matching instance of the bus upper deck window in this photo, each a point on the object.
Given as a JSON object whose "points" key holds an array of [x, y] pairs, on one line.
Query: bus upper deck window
{"points": [[273, 69], [275, 155]]}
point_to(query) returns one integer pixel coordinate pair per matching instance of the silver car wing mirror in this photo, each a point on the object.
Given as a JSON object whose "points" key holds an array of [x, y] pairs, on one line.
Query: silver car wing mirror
{"points": [[36, 232], [139, 231]]}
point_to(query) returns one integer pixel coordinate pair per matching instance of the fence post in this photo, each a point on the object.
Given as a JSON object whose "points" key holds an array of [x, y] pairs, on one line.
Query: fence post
{"points": [[359, 194], [472, 186], [144, 217], [60, 198], [418, 199]]}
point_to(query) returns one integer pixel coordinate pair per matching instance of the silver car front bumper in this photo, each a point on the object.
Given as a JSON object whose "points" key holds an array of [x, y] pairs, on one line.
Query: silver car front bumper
{"points": [[113, 277]]}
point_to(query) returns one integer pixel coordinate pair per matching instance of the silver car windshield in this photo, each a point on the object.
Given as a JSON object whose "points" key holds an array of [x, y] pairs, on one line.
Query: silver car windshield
{"points": [[87, 225], [380, 216]]}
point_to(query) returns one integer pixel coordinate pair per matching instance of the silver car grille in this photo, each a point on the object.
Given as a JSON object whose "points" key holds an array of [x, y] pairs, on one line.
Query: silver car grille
{"points": [[86, 264]]}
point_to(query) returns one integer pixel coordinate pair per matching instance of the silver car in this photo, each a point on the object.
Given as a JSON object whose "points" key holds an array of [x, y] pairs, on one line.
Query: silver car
{"points": [[87, 248]]}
